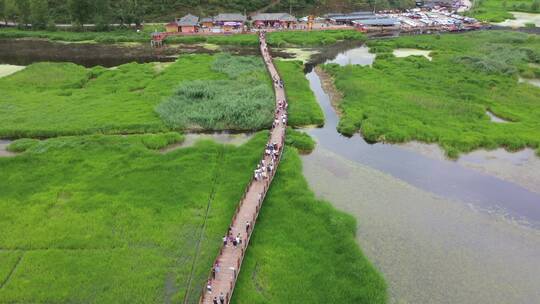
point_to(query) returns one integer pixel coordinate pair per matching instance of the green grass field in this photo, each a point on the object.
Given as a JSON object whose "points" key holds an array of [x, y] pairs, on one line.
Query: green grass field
{"points": [[66, 99], [282, 39], [304, 251], [105, 219], [498, 10], [303, 107], [445, 101], [109, 219], [114, 36]]}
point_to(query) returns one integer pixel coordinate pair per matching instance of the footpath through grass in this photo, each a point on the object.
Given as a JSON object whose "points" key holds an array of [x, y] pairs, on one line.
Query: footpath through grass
{"points": [[303, 107], [304, 251], [55, 99], [105, 219], [499, 10], [281, 39], [445, 101]]}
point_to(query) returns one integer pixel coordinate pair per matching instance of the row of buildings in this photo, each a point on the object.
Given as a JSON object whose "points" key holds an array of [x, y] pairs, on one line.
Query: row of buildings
{"points": [[230, 22], [438, 19]]}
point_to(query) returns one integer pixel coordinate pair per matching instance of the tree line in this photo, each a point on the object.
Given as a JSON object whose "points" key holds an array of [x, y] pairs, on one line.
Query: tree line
{"points": [[41, 14]]}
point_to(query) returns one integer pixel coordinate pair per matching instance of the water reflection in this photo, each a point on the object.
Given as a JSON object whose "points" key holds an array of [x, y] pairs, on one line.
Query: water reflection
{"points": [[360, 56]]}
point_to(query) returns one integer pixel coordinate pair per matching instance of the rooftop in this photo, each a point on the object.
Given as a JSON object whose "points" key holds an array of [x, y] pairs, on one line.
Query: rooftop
{"points": [[188, 20], [379, 21], [230, 17], [273, 17]]}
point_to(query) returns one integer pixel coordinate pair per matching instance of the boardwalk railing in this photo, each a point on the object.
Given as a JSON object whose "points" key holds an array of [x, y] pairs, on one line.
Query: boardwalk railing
{"points": [[222, 283]]}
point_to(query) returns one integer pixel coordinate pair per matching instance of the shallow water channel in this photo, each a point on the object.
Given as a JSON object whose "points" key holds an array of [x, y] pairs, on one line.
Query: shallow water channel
{"points": [[439, 231]]}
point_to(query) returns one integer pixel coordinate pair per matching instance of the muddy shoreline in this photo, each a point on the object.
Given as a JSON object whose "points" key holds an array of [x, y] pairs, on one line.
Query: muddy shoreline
{"points": [[26, 51], [328, 86]]}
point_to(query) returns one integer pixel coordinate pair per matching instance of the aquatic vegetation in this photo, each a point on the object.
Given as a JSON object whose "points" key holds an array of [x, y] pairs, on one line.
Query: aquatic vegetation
{"points": [[498, 10], [444, 101], [237, 66], [67, 99], [124, 215], [104, 219], [245, 101], [303, 107], [300, 140], [219, 105], [312, 38], [304, 251]]}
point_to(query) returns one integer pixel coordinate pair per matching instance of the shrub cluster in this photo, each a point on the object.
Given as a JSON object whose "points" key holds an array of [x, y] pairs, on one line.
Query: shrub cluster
{"points": [[244, 101]]}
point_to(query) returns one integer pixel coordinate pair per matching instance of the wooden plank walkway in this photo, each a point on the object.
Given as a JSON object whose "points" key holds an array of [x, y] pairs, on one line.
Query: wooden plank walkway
{"points": [[221, 283]]}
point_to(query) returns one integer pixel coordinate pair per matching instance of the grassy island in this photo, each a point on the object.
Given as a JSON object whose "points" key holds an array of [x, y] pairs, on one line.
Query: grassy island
{"points": [[446, 100]]}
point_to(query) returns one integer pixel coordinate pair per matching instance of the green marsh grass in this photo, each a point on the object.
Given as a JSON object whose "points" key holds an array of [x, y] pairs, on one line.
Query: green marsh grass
{"points": [[280, 39], [445, 101], [244, 101], [303, 250], [499, 10], [312, 38], [104, 219], [303, 107], [66, 99], [107, 219], [300, 140], [62, 99]]}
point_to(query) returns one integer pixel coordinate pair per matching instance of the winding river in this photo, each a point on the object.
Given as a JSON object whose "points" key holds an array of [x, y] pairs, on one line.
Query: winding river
{"points": [[439, 231]]}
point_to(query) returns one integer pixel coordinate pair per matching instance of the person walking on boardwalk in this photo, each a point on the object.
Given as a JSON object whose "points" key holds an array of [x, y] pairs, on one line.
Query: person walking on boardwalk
{"points": [[209, 286], [215, 301], [248, 224], [221, 298], [218, 268], [238, 239], [225, 241]]}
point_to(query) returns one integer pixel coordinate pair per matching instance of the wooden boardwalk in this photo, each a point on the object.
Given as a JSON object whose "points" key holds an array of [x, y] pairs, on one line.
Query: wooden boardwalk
{"points": [[229, 261]]}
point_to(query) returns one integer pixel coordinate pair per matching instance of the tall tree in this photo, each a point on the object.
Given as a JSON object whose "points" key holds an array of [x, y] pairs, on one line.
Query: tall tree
{"points": [[39, 13], [2, 10], [80, 11], [102, 14], [23, 11], [535, 6], [10, 10], [131, 11]]}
